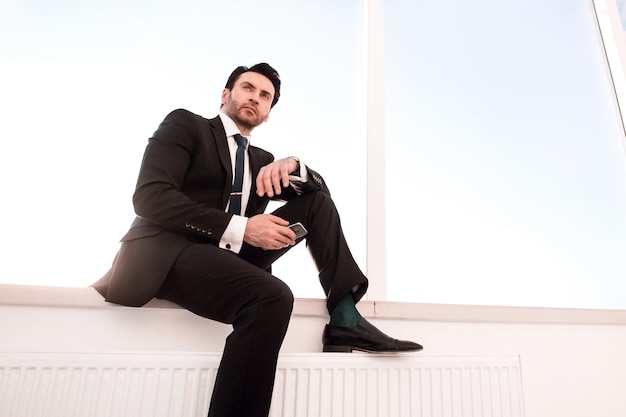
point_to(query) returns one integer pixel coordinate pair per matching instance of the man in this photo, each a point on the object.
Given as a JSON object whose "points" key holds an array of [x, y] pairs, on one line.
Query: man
{"points": [[201, 240]]}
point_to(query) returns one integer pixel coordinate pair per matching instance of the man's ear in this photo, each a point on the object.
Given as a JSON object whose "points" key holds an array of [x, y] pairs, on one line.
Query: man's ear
{"points": [[267, 116], [225, 94]]}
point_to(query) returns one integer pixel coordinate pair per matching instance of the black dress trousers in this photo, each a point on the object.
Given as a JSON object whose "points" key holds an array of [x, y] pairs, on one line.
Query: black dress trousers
{"points": [[238, 289]]}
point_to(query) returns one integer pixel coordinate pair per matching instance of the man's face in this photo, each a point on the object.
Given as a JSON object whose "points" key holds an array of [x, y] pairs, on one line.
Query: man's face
{"points": [[249, 102]]}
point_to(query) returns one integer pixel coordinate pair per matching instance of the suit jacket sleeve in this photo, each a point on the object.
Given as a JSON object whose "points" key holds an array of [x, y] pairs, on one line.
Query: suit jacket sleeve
{"points": [[314, 182], [183, 184]]}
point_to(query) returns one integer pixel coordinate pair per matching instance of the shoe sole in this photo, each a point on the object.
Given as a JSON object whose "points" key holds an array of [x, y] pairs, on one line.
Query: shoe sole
{"points": [[350, 349]]}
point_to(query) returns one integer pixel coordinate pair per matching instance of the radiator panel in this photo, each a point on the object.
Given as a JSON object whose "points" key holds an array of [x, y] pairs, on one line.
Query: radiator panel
{"points": [[307, 385]]}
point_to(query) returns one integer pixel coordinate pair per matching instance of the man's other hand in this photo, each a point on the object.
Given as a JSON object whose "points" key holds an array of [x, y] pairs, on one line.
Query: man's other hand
{"points": [[268, 232]]}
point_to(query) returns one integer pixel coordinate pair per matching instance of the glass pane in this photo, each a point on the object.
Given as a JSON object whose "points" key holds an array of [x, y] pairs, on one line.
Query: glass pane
{"points": [[84, 84], [506, 170]]}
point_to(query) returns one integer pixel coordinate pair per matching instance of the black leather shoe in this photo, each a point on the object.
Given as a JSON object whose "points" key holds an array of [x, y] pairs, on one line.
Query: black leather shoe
{"points": [[364, 337]]}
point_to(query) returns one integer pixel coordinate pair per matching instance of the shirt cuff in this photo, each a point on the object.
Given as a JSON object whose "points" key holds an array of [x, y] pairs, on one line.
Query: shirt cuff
{"points": [[296, 180], [232, 238]]}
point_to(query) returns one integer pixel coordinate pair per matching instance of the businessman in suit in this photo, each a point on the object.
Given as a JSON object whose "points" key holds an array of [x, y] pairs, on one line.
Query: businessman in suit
{"points": [[201, 240]]}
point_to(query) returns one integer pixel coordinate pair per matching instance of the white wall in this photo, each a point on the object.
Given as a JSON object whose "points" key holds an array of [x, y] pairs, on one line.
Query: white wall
{"points": [[573, 361]]}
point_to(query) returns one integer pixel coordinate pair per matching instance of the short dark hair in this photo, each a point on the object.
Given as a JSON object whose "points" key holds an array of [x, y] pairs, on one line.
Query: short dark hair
{"points": [[263, 69]]}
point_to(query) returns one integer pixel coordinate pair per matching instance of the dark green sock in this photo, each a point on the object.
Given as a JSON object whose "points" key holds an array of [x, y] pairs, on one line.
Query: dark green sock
{"points": [[345, 313]]}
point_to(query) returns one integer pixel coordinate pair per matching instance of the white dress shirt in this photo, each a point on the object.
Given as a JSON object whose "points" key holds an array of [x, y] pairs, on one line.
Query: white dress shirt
{"points": [[232, 239]]}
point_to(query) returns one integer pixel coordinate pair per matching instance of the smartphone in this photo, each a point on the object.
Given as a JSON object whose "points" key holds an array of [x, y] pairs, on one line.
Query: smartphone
{"points": [[299, 230]]}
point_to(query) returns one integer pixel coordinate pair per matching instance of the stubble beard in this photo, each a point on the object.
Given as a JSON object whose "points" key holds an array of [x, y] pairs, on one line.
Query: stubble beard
{"points": [[240, 120]]}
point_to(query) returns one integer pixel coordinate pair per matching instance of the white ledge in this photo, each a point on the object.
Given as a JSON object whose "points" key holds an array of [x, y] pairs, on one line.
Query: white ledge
{"points": [[26, 295]]}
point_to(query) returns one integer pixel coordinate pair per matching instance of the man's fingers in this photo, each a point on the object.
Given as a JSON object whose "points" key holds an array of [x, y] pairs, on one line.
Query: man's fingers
{"points": [[283, 236], [276, 180], [288, 236], [284, 175], [272, 178], [263, 184], [268, 186]]}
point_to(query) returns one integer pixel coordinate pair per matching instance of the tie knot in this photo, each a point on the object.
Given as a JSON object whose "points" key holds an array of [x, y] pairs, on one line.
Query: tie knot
{"points": [[241, 141]]}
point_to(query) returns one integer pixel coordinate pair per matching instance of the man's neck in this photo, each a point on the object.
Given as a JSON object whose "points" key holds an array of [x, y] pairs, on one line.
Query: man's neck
{"points": [[226, 119]]}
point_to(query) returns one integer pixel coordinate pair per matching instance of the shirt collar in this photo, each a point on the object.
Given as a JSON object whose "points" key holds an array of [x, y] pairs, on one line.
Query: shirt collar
{"points": [[229, 126]]}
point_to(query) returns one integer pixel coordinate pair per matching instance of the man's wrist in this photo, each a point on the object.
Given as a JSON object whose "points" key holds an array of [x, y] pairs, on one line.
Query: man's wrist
{"points": [[297, 168], [232, 238]]}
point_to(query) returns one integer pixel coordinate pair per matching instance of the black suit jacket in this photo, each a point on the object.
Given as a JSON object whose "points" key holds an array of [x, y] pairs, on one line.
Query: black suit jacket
{"points": [[182, 191]]}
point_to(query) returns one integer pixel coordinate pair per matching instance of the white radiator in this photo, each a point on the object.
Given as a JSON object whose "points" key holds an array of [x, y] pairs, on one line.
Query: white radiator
{"points": [[307, 385]]}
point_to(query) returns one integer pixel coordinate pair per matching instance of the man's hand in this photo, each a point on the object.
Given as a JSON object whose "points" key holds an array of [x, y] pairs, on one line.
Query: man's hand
{"points": [[268, 232], [273, 175]]}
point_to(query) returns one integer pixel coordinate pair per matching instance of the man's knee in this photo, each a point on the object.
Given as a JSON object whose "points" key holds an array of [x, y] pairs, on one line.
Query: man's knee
{"points": [[276, 296], [284, 298]]}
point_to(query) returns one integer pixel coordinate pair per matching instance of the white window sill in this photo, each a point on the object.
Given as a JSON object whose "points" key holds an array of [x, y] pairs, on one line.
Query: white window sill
{"points": [[26, 295]]}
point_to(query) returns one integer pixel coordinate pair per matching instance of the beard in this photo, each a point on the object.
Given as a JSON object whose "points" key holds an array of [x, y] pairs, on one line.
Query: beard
{"points": [[241, 114], [240, 119]]}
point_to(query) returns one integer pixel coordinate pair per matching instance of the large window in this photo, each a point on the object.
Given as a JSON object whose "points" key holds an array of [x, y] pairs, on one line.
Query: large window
{"points": [[501, 175], [506, 180], [85, 84]]}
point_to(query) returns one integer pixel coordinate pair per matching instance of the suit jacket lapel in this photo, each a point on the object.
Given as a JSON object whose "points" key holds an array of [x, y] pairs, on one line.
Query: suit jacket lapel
{"points": [[224, 156]]}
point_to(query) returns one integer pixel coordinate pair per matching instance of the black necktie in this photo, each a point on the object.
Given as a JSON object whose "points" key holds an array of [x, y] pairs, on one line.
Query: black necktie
{"points": [[235, 196]]}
